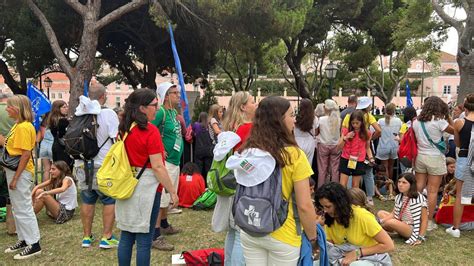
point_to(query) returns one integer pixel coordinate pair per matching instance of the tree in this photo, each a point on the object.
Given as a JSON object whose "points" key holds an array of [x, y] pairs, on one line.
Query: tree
{"points": [[464, 29], [80, 70]]}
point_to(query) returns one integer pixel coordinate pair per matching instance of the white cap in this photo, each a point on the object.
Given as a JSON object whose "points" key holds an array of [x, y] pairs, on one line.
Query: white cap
{"points": [[163, 89], [363, 102], [252, 167]]}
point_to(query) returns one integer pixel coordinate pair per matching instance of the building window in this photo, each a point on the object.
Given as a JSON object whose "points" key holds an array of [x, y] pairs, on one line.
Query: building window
{"points": [[53, 96], [117, 87], [130, 88], [457, 89], [447, 89], [117, 101], [60, 95]]}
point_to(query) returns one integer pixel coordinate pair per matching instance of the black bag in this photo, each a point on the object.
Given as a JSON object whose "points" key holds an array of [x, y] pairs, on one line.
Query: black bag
{"points": [[8, 161], [80, 139]]}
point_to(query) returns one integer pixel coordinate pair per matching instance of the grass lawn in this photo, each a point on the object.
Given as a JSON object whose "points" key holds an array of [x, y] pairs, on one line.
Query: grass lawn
{"points": [[62, 243]]}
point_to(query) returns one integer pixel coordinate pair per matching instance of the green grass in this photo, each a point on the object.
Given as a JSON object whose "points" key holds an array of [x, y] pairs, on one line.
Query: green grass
{"points": [[62, 243]]}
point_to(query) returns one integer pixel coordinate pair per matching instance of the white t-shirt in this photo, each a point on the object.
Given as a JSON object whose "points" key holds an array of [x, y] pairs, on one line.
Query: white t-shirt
{"points": [[68, 197], [435, 129], [108, 128], [387, 139], [305, 140], [326, 137]]}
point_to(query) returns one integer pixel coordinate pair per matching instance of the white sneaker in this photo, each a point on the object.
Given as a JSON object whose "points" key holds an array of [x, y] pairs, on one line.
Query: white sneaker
{"points": [[431, 225], [370, 202], [453, 232], [175, 211]]}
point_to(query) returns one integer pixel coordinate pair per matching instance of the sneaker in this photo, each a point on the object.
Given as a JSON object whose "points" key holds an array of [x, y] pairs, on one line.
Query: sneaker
{"points": [[112, 242], [370, 202], [175, 211], [20, 245], [453, 232], [170, 230], [87, 241], [381, 198], [431, 225], [28, 252], [161, 244]]}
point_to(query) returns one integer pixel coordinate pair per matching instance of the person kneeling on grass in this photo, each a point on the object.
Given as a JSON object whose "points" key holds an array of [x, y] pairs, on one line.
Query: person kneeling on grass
{"points": [[409, 217], [62, 185]]}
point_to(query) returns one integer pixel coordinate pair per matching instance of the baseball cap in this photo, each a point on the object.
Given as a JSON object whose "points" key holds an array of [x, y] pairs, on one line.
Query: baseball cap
{"points": [[363, 102]]}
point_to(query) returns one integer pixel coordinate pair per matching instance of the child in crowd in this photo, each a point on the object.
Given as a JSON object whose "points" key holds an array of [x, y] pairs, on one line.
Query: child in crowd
{"points": [[355, 145], [191, 185], [62, 207], [383, 184], [409, 216], [451, 168], [359, 198]]}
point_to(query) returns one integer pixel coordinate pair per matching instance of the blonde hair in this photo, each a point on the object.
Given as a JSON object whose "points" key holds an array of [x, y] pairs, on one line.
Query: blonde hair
{"points": [[319, 110], [23, 104], [389, 112], [234, 116], [359, 198], [334, 119], [214, 111]]}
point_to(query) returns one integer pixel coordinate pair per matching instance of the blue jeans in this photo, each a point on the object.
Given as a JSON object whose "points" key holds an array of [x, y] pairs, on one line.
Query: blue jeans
{"points": [[369, 182], [144, 240], [234, 255]]}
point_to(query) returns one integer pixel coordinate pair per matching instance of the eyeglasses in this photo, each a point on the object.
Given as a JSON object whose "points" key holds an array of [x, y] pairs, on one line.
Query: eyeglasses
{"points": [[174, 92], [153, 104]]}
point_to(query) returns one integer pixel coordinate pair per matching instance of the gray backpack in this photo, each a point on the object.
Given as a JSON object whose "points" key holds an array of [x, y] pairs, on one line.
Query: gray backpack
{"points": [[260, 210]]}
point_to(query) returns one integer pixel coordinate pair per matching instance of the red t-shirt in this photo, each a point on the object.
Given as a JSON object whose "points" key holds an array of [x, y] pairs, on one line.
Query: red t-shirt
{"points": [[355, 146], [244, 132], [190, 187], [140, 144]]}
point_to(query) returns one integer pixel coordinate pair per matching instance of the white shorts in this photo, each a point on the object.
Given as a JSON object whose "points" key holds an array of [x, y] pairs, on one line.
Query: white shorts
{"points": [[173, 172]]}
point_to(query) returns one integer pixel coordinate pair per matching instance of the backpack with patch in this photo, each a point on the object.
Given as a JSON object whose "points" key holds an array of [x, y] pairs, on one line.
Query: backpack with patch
{"points": [[220, 179], [206, 201], [259, 207], [408, 149], [115, 177]]}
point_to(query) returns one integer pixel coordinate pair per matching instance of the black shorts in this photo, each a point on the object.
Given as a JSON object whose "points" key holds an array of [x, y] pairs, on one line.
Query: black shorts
{"points": [[359, 171]]}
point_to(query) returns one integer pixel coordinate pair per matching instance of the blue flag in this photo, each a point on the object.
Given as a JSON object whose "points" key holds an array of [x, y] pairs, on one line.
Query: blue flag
{"points": [[409, 99], [177, 63], [86, 88], [39, 103]]}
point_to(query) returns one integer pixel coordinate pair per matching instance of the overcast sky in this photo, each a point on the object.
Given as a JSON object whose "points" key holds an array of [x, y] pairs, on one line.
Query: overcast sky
{"points": [[451, 43]]}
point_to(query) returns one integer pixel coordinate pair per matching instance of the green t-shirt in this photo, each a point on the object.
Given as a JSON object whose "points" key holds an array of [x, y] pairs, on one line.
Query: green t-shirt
{"points": [[170, 130], [6, 122]]}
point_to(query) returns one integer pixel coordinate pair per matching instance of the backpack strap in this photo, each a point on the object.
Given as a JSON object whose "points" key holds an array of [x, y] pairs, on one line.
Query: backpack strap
{"points": [[470, 153], [295, 213], [143, 168], [428, 136]]}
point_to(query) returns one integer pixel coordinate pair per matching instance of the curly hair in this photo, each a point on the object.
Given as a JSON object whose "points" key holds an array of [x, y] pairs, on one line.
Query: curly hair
{"points": [[269, 132], [339, 197], [305, 118], [433, 107]]}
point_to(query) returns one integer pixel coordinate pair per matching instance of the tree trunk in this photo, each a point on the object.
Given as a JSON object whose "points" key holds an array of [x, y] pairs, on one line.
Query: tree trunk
{"points": [[466, 70]]}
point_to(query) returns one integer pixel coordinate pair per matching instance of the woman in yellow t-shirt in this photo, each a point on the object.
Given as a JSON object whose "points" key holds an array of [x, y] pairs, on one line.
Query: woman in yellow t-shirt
{"points": [[272, 132], [352, 230], [20, 141]]}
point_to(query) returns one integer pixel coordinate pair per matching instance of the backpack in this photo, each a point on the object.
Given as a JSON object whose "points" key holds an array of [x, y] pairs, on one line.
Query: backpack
{"points": [[206, 201], [204, 257], [259, 208], [408, 149], [115, 177], [221, 179], [80, 139]]}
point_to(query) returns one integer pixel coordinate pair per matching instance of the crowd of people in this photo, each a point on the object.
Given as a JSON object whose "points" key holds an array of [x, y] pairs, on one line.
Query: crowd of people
{"points": [[333, 165]]}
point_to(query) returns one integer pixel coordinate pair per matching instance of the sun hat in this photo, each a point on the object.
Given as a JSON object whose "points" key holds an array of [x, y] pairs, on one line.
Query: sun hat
{"points": [[162, 89], [226, 141], [363, 102], [252, 167]]}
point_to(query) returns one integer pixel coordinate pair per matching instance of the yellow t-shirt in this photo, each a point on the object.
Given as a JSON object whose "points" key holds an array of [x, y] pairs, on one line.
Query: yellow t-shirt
{"points": [[369, 119], [300, 169], [22, 137], [361, 231], [404, 128]]}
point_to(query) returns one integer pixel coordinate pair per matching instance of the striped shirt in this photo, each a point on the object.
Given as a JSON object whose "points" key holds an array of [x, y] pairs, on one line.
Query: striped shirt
{"points": [[409, 210]]}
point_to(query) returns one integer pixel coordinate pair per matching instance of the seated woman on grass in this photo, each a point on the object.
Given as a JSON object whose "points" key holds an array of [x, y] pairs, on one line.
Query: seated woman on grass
{"points": [[61, 208], [352, 232], [409, 216]]}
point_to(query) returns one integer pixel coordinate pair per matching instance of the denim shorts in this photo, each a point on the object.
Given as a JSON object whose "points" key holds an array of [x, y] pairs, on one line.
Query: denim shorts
{"points": [[46, 150], [463, 170], [386, 153], [90, 197]]}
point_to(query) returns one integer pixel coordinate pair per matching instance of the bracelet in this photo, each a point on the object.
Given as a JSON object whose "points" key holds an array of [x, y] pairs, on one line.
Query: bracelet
{"points": [[357, 253]]}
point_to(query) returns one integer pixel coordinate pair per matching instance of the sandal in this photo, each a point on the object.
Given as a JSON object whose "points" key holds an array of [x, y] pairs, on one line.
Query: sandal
{"points": [[381, 197]]}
